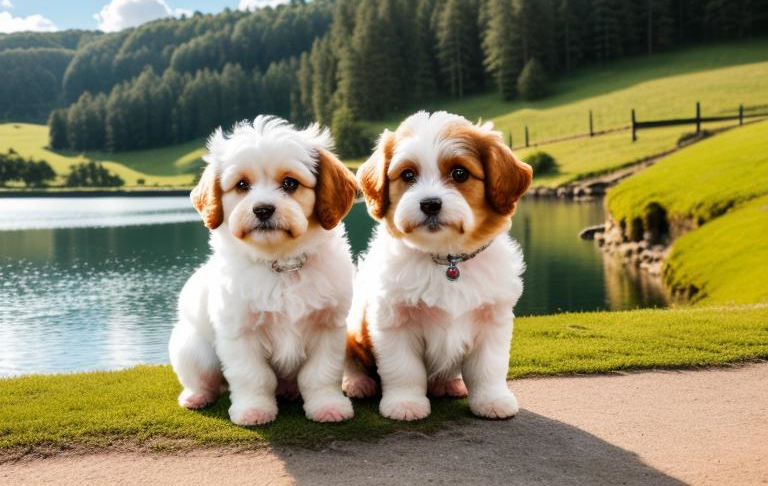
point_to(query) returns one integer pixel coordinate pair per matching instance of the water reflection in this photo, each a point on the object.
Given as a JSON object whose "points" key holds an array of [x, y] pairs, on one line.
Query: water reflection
{"points": [[89, 298]]}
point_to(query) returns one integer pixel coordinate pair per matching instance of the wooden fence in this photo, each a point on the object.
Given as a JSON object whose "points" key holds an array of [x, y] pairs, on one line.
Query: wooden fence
{"points": [[743, 114], [697, 120]]}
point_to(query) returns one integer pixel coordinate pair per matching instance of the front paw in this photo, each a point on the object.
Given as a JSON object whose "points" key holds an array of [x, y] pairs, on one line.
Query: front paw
{"points": [[196, 400], [494, 406], [252, 415], [329, 409], [410, 407]]}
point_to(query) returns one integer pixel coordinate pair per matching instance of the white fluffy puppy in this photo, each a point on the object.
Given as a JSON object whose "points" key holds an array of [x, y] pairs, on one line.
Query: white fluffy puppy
{"points": [[268, 307], [434, 294]]}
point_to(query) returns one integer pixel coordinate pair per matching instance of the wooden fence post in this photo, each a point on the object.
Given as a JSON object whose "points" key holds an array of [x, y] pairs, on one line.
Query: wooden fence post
{"points": [[591, 130], [741, 114], [526, 136], [698, 118], [634, 126]]}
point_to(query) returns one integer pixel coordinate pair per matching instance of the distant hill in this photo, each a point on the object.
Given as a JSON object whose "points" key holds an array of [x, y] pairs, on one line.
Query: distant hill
{"points": [[174, 80], [720, 76]]}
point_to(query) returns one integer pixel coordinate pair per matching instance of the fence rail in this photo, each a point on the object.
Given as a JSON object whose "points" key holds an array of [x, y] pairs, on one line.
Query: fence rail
{"points": [[697, 120], [635, 125]]}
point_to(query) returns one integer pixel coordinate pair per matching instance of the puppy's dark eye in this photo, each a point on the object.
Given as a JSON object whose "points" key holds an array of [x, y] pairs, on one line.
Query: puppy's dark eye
{"points": [[242, 185], [459, 174], [408, 176], [290, 184]]}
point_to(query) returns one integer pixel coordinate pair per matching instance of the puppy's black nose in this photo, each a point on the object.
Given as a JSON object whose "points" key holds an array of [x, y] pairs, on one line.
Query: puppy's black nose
{"points": [[264, 212], [431, 206]]}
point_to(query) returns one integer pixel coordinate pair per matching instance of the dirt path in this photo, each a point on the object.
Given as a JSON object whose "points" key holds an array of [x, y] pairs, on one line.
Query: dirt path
{"points": [[698, 427]]}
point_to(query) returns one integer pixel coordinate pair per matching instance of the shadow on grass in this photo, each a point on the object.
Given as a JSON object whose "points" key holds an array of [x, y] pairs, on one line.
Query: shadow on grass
{"points": [[292, 428]]}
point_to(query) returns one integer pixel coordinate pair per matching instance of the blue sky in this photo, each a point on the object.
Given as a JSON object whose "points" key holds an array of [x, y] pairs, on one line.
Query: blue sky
{"points": [[43, 15]]}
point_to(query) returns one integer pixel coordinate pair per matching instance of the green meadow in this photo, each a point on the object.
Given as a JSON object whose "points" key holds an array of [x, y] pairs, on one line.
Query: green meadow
{"points": [[701, 181], [137, 407], [172, 166]]}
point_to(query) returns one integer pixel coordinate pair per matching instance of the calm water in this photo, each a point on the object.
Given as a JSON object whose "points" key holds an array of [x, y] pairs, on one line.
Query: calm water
{"points": [[91, 283]]}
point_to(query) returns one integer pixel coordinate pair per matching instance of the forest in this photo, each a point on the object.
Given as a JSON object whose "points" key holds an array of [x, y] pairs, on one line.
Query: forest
{"points": [[336, 62]]}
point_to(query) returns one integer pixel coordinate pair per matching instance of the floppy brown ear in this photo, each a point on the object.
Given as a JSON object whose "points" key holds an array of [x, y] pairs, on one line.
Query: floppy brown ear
{"points": [[335, 190], [206, 197], [372, 176], [506, 177]]}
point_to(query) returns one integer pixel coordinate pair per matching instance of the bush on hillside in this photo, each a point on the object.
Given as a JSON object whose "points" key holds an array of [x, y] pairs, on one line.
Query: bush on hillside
{"points": [[533, 82], [33, 173], [350, 135], [92, 174], [542, 163]]}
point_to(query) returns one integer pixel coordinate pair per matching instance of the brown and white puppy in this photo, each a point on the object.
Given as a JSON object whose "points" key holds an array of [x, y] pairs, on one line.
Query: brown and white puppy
{"points": [[435, 291], [268, 307]]}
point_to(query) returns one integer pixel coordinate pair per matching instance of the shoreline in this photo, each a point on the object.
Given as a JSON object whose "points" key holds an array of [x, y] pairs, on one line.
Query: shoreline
{"points": [[97, 193]]}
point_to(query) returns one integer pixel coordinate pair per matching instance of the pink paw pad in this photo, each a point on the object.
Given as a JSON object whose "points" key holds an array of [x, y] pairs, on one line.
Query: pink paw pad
{"points": [[256, 416], [406, 411], [360, 386], [195, 401], [330, 413]]}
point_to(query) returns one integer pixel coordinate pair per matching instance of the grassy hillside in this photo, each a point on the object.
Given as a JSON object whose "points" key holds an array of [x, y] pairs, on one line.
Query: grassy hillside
{"points": [[168, 166], [661, 86], [720, 185], [701, 181], [666, 85], [726, 260], [138, 406]]}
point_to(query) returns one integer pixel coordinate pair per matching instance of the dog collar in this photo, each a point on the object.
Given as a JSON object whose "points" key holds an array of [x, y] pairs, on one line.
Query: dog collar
{"points": [[291, 264], [452, 272]]}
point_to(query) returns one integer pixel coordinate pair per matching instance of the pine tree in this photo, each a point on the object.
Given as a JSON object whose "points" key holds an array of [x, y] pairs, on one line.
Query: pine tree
{"points": [[533, 81], [305, 76], [503, 59], [323, 80], [456, 39], [57, 129], [606, 31], [117, 131]]}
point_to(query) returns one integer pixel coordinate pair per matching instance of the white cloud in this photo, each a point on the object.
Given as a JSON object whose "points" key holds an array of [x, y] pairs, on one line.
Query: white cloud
{"points": [[36, 23], [6, 4], [252, 5], [121, 14]]}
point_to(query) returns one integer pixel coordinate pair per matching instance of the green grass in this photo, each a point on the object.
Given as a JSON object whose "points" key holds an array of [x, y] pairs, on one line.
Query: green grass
{"points": [[701, 181], [138, 406], [726, 259], [172, 166], [587, 157]]}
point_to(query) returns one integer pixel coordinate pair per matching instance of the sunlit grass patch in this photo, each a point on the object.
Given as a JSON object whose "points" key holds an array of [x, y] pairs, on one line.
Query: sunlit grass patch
{"points": [[138, 406], [726, 260], [701, 181], [156, 167]]}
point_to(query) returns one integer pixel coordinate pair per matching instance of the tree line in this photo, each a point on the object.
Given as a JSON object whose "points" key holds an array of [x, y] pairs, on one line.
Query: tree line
{"points": [[97, 62], [174, 80], [39, 173]]}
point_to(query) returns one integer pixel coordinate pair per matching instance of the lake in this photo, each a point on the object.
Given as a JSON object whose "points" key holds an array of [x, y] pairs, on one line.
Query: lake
{"points": [[91, 283]]}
